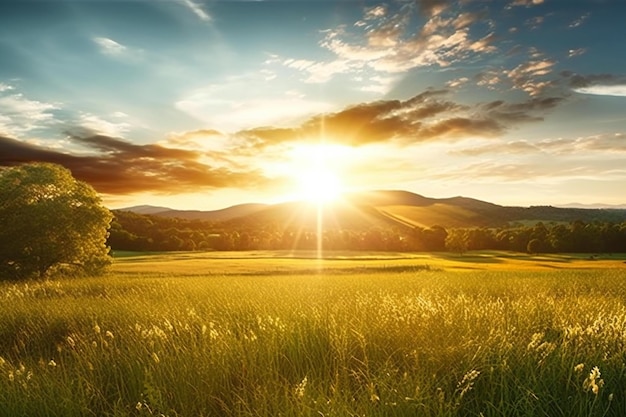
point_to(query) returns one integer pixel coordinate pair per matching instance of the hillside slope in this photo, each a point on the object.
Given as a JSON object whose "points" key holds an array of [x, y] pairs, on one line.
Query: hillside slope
{"points": [[387, 209]]}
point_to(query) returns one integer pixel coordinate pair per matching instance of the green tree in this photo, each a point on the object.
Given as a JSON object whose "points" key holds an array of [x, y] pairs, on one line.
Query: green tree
{"points": [[534, 246], [49, 219], [456, 241]]}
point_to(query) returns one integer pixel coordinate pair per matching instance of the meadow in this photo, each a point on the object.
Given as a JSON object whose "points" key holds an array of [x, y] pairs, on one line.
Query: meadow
{"points": [[274, 334]]}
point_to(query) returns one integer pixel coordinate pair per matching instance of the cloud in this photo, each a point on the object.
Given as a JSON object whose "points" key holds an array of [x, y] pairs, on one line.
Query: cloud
{"points": [[119, 167], [432, 7], [110, 47], [596, 84], [575, 80], [579, 21], [526, 76], [232, 106], [425, 117], [197, 10], [458, 82], [535, 22], [387, 42], [576, 52], [99, 125], [526, 3], [609, 144], [603, 90], [20, 115], [513, 147]]}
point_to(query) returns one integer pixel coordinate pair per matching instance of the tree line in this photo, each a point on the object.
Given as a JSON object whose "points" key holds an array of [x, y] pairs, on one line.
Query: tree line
{"points": [[136, 232]]}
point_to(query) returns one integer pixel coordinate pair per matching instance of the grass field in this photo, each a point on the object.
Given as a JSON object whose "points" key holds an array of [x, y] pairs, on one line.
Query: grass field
{"points": [[279, 334]]}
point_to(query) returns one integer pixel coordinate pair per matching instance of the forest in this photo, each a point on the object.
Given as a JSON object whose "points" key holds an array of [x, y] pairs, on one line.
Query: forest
{"points": [[137, 232]]}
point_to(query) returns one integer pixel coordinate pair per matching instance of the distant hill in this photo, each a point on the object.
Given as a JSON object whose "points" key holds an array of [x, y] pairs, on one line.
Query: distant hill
{"points": [[240, 210], [595, 206], [386, 209], [146, 209]]}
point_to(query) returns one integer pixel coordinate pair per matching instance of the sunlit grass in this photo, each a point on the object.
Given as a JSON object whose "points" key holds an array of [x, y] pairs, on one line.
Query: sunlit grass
{"points": [[370, 337]]}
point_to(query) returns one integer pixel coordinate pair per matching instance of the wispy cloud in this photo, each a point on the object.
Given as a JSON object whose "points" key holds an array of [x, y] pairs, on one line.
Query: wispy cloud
{"points": [[110, 47], [603, 90], [197, 10], [576, 23], [576, 52], [596, 84], [5, 87], [386, 42], [533, 171], [608, 145], [527, 76], [19, 114], [232, 105], [526, 3], [99, 125]]}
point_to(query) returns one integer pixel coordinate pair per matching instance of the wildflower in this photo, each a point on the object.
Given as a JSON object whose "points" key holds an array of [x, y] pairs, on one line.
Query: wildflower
{"points": [[579, 368], [593, 382], [52, 363], [109, 334], [71, 341], [467, 383], [11, 376], [373, 391], [138, 406], [301, 388], [96, 328], [611, 397]]}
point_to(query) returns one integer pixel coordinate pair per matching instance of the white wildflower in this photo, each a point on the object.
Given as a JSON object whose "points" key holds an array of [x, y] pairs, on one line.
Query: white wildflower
{"points": [[301, 388]]}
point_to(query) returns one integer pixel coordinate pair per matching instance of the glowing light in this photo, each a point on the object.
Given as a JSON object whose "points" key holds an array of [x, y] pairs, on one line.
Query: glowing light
{"points": [[319, 186], [316, 172]]}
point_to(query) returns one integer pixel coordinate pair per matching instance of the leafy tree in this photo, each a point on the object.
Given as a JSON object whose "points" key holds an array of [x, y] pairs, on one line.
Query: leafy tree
{"points": [[49, 219], [534, 246], [456, 241]]}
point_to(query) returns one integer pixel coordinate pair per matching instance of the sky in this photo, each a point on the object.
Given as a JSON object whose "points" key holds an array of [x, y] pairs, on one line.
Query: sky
{"points": [[204, 104]]}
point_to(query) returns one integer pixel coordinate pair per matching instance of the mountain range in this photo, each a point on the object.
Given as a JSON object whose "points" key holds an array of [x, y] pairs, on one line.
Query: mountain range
{"points": [[388, 209]]}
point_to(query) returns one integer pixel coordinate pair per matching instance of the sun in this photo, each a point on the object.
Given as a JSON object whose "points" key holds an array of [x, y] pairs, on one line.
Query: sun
{"points": [[316, 172], [320, 186]]}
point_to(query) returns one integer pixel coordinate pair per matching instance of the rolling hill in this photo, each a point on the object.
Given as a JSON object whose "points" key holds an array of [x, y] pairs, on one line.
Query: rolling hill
{"points": [[385, 209]]}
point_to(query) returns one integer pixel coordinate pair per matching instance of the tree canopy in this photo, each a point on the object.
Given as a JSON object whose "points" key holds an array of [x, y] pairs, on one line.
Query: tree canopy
{"points": [[48, 219]]}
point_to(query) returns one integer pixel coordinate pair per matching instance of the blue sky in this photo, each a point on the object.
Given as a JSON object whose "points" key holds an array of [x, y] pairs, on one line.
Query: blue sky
{"points": [[206, 104]]}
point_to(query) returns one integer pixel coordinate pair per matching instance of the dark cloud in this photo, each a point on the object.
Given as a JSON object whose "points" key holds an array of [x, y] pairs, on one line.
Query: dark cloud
{"points": [[119, 167], [432, 7], [427, 116], [116, 166], [575, 80]]}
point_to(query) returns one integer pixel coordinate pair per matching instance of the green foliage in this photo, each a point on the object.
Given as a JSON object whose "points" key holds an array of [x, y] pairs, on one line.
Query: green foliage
{"points": [[49, 220], [457, 241], [374, 343], [136, 232]]}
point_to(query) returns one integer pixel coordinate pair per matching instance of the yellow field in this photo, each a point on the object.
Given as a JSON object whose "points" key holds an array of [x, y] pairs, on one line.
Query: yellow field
{"points": [[355, 334], [268, 262]]}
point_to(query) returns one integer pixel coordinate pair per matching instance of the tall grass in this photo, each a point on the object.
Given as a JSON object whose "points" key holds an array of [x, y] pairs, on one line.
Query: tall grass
{"points": [[383, 343]]}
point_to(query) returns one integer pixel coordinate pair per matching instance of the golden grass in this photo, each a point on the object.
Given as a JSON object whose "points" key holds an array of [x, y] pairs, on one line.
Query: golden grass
{"points": [[280, 334]]}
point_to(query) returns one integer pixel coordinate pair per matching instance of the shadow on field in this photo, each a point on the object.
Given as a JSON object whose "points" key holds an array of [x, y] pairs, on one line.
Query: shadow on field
{"points": [[472, 258], [386, 269]]}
